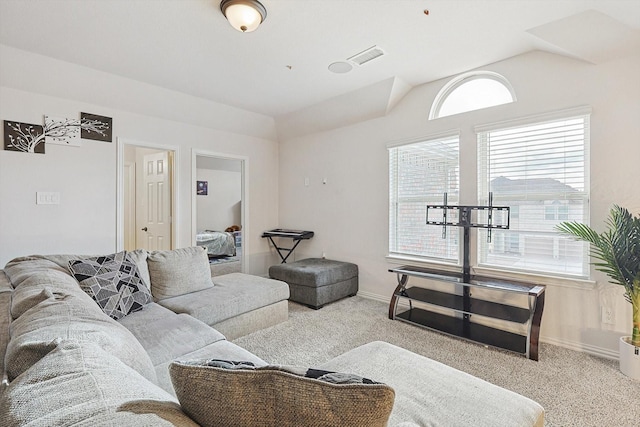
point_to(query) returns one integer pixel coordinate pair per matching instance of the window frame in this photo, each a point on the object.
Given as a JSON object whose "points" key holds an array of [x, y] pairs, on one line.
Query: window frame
{"points": [[460, 80], [555, 208], [423, 259]]}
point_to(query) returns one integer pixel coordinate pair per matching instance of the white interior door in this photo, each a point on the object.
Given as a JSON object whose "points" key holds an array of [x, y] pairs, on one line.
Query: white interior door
{"points": [[153, 218]]}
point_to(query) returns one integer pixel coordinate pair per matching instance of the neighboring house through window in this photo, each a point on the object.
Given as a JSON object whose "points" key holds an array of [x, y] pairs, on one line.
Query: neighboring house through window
{"points": [[419, 174], [540, 168]]}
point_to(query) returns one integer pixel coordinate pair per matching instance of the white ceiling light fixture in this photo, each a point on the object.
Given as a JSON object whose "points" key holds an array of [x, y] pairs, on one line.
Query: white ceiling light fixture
{"points": [[340, 67], [243, 15]]}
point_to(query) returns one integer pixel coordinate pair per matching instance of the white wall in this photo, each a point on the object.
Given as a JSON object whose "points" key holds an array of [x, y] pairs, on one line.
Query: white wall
{"points": [[349, 213], [85, 221], [220, 208]]}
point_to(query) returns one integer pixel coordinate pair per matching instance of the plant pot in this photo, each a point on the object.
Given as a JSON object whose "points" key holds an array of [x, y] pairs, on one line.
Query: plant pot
{"points": [[629, 358]]}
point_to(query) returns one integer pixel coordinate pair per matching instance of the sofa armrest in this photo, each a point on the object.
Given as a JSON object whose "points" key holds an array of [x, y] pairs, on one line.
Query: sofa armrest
{"points": [[5, 320]]}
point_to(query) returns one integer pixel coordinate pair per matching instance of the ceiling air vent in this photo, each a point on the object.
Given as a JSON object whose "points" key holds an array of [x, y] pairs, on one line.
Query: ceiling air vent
{"points": [[367, 55]]}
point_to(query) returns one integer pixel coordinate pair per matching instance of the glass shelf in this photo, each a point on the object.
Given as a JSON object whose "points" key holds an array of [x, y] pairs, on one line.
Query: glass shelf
{"points": [[465, 307]]}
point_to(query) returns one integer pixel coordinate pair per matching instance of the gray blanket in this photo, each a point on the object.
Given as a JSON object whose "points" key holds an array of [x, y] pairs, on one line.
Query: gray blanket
{"points": [[218, 243]]}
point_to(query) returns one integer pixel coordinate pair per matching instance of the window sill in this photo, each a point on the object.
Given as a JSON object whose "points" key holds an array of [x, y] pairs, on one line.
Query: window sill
{"points": [[422, 262]]}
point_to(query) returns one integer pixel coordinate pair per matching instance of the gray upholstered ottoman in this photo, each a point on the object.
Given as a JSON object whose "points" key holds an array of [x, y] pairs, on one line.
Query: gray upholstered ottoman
{"points": [[317, 281]]}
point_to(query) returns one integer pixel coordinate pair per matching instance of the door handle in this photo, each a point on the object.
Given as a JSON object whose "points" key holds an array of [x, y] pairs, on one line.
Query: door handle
{"points": [[144, 229]]}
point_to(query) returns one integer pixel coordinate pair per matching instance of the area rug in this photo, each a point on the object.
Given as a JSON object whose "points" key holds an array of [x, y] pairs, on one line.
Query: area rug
{"points": [[576, 389]]}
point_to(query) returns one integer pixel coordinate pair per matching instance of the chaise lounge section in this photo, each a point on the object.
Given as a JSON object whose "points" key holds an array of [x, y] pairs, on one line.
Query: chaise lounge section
{"points": [[436, 394], [67, 362], [236, 305]]}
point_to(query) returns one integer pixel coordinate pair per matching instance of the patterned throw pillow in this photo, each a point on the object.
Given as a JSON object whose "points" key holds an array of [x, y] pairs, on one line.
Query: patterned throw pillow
{"points": [[317, 374], [226, 393], [113, 281]]}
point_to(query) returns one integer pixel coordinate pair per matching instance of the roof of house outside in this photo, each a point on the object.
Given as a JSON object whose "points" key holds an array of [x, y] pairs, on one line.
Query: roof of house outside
{"points": [[504, 185]]}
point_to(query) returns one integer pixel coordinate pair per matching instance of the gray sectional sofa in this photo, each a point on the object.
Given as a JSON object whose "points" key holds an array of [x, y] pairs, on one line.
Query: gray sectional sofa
{"points": [[66, 362]]}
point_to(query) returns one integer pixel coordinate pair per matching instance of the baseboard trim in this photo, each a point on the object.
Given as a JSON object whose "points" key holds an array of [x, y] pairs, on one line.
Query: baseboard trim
{"points": [[571, 345], [376, 297], [583, 348]]}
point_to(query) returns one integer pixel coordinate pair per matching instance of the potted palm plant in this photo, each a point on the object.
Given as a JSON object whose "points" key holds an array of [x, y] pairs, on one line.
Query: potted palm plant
{"points": [[618, 252]]}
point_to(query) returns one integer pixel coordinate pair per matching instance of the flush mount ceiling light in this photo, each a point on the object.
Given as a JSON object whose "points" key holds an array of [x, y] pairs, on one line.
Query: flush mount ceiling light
{"points": [[243, 15], [340, 67]]}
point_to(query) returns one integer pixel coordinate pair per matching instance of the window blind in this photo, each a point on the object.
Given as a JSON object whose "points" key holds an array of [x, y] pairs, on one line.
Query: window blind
{"points": [[419, 174], [539, 170]]}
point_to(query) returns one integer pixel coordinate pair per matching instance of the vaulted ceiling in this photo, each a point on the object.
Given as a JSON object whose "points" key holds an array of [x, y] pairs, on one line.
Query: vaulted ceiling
{"points": [[282, 67]]}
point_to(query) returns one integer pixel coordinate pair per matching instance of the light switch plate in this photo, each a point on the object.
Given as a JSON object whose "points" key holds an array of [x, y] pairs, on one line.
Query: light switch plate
{"points": [[47, 198]]}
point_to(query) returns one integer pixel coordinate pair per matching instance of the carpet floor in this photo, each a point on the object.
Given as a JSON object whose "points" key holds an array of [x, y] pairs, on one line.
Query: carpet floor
{"points": [[575, 389]]}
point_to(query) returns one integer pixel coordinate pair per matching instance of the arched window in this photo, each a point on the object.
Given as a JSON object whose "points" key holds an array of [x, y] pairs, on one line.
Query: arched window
{"points": [[472, 91]]}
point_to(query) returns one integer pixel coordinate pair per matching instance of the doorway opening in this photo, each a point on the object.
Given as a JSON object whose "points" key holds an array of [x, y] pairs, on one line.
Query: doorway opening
{"points": [[146, 195], [219, 206]]}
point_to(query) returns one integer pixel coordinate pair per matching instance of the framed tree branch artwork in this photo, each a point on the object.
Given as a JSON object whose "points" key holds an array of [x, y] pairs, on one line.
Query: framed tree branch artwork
{"points": [[25, 137], [62, 131], [98, 128], [30, 138]]}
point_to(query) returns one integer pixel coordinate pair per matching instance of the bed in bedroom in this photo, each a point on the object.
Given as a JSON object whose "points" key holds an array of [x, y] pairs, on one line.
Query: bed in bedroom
{"points": [[218, 243]]}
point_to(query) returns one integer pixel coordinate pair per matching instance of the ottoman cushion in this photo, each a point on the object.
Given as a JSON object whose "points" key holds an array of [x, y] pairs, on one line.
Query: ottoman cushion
{"points": [[314, 272], [317, 281]]}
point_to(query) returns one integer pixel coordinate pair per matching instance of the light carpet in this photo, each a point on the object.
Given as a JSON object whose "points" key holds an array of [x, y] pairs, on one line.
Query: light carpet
{"points": [[575, 389]]}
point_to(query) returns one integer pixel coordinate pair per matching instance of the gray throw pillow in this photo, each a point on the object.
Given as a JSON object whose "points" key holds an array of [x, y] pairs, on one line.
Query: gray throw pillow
{"points": [[139, 256], [225, 393], [113, 282], [178, 272]]}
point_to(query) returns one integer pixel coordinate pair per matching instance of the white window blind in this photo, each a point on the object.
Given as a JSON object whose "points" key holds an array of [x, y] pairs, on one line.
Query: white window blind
{"points": [[540, 171], [419, 174]]}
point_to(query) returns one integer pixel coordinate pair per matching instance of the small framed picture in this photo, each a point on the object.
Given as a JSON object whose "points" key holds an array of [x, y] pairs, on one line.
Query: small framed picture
{"points": [[25, 137], [202, 188], [98, 128], [62, 131]]}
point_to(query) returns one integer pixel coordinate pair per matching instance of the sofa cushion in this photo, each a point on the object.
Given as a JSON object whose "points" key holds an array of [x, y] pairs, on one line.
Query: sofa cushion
{"points": [[78, 383], [232, 295], [166, 335], [139, 256], [113, 282], [61, 315], [20, 269], [5, 319], [178, 272], [29, 276], [5, 283], [274, 396]]}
